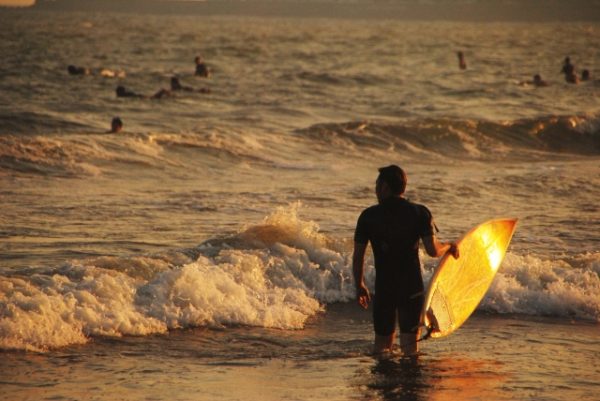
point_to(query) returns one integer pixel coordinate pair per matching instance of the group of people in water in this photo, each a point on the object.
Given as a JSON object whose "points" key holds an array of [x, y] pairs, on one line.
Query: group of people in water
{"points": [[176, 86], [568, 70], [201, 70], [570, 75]]}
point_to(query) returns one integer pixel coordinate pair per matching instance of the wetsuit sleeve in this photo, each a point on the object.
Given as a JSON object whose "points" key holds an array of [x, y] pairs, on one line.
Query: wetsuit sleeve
{"points": [[361, 234], [426, 225]]}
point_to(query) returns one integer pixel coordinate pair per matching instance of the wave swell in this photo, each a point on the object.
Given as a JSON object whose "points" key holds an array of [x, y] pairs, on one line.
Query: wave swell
{"points": [[578, 135]]}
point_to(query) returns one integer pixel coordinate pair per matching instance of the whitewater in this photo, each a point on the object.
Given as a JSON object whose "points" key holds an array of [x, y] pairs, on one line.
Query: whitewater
{"points": [[207, 246]]}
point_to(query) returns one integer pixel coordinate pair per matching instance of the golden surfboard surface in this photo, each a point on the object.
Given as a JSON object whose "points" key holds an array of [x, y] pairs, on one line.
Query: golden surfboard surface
{"points": [[458, 285]]}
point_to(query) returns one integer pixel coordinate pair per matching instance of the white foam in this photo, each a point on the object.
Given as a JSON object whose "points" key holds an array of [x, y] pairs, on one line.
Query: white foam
{"points": [[534, 286], [277, 278], [54, 311]]}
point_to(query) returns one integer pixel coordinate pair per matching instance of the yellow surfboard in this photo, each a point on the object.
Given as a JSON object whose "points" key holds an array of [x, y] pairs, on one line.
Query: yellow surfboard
{"points": [[458, 285]]}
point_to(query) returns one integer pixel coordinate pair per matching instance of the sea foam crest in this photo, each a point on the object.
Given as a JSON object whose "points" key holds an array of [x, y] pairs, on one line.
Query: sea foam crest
{"points": [[533, 286]]}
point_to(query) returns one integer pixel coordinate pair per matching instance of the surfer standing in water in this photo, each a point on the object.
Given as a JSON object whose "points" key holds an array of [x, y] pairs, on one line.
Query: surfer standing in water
{"points": [[394, 227]]}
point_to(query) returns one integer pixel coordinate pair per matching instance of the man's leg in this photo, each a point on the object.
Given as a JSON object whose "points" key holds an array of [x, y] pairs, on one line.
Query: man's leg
{"points": [[409, 344], [409, 319], [384, 343]]}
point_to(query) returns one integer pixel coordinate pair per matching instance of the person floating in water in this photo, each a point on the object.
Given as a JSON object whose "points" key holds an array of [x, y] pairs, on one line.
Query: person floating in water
{"points": [[201, 68], [74, 70], [176, 86], [103, 72], [585, 75], [162, 93], [537, 81], [116, 125], [394, 227], [568, 70], [462, 64], [123, 92]]}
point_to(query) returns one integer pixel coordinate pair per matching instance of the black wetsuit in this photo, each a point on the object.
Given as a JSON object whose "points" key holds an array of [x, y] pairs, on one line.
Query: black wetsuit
{"points": [[394, 228]]}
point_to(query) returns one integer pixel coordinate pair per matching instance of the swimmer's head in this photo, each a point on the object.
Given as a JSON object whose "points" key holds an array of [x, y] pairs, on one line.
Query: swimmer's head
{"points": [[116, 125], [120, 90], [585, 75]]}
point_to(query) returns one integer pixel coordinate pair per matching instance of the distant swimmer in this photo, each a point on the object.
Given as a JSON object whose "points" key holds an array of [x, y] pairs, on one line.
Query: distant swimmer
{"points": [[538, 81], [462, 64], [176, 86], [74, 70], [585, 75], [569, 70], [116, 125], [201, 68], [123, 92], [103, 72], [162, 94]]}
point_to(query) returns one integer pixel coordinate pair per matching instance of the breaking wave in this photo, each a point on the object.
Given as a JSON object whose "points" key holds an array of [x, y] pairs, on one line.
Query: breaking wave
{"points": [[274, 274]]}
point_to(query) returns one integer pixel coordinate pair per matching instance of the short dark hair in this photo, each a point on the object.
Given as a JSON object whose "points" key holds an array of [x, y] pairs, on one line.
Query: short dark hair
{"points": [[394, 177]]}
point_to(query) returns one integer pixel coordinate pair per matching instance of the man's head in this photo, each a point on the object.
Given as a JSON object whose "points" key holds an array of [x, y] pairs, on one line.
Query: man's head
{"points": [[390, 182]]}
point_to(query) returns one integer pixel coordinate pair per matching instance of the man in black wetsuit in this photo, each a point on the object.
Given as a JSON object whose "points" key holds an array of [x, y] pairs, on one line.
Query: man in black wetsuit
{"points": [[394, 227]]}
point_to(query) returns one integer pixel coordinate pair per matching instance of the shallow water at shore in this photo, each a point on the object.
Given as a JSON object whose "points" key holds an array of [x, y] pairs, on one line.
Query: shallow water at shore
{"points": [[491, 358]]}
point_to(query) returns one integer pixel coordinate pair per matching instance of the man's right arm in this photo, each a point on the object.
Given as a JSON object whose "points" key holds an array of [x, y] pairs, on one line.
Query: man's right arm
{"points": [[358, 269], [435, 248]]}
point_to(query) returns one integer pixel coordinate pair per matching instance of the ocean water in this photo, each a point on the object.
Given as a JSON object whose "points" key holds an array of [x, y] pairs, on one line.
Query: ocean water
{"points": [[203, 253]]}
